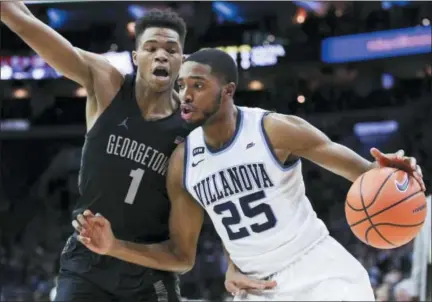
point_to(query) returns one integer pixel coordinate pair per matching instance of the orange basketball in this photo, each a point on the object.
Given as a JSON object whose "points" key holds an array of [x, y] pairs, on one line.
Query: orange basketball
{"points": [[385, 208]]}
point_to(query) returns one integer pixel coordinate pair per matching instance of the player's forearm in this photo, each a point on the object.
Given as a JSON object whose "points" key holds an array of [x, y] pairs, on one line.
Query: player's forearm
{"points": [[157, 256], [231, 265], [352, 165], [340, 160], [12, 13]]}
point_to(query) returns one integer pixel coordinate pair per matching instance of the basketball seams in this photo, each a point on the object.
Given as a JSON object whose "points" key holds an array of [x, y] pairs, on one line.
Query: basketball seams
{"points": [[380, 189], [367, 214], [387, 208], [399, 225], [376, 195], [351, 207], [373, 226]]}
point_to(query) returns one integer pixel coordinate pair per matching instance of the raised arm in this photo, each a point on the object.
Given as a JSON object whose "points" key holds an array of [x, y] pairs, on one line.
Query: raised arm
{"points": [[293, 135], [75, 64], [185, 222]]}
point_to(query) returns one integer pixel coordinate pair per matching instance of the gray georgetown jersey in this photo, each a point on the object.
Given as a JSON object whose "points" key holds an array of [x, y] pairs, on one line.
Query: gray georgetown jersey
{"points": [[124, 166]]}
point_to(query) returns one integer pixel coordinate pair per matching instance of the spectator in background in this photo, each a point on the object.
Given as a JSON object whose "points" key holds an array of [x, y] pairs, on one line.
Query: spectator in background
{"points": [[404, 291], [382, 293], [421, 255]]}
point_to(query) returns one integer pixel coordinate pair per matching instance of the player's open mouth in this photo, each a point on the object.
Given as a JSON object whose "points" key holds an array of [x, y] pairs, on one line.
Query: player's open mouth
{"points": [[161, 73], [186, 111]]}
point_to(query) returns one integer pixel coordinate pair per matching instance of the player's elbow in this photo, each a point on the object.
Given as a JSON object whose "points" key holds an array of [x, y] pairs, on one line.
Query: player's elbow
{"points": [[186, 264]]}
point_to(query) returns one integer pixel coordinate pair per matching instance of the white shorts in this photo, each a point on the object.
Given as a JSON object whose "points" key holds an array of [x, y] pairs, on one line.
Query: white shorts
{"points": [[327, 272]]}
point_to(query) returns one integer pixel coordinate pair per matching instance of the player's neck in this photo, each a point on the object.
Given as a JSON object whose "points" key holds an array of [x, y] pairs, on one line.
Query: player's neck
{"points": [[154, 105], [219, 132]]}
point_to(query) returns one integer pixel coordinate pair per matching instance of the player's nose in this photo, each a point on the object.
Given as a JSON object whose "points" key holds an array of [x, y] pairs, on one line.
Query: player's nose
{"points": [[187, 99], [161, 56]]}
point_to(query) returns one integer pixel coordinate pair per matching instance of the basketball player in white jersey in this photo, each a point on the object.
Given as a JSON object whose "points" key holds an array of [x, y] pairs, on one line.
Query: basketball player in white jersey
{"points": [[243, 167]]}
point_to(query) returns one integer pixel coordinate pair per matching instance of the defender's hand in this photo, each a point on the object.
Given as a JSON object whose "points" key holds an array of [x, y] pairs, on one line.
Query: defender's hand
{"points": [[399, 161], [94, 232], [236, 282]]}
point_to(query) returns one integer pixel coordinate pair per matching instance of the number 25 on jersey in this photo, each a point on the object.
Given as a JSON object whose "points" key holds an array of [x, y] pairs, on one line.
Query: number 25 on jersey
{"points": [[249, 211]]}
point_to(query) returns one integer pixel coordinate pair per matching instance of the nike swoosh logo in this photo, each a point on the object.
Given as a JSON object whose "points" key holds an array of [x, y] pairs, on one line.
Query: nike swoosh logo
{"points": [[404, 185], [197, 163]]}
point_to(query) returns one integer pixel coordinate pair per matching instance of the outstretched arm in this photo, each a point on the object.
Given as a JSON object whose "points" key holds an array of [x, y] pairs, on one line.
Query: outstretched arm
{"points": [[185, 222], [78, 65], [293, 135]]}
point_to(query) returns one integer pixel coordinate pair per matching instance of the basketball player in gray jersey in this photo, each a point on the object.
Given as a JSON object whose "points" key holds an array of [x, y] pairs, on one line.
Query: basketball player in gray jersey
{"points": [[243, 167], [133, 126]]}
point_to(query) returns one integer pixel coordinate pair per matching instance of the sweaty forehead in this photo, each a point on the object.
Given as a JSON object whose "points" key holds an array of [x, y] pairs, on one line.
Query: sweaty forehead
{"points": [[194, 69], [159, 34]]}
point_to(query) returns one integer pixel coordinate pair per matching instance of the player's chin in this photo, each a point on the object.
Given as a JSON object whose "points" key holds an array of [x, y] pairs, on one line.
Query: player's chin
{"points": [[193, 118], [161, 84]]}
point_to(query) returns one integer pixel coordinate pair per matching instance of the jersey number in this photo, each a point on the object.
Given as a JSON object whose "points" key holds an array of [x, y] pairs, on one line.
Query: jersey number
{"points": [[137, 176], [248, 211]]}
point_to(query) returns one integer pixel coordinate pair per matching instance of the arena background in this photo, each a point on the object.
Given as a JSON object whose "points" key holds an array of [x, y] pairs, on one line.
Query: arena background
{"points": [[359, 71]]}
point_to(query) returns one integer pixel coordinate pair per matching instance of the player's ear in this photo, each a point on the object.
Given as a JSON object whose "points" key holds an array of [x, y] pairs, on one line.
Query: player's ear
{"points": [[230, 89], [134, 58]]}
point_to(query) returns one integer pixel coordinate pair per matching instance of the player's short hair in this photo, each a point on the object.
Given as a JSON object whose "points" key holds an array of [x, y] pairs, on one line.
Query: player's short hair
{"points": [[221, 63], [161, 18]]}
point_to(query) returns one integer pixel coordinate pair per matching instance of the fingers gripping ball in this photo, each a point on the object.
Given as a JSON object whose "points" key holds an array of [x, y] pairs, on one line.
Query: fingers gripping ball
{"points": [[385, 208]]}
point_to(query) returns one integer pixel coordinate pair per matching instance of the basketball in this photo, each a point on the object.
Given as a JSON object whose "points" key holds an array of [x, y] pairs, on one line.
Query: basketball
{"points": [[385, 208]]}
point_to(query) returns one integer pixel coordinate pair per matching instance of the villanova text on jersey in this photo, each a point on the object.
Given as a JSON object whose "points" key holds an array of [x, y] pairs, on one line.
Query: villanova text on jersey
{"points": [[138, 152], [232, 181]]}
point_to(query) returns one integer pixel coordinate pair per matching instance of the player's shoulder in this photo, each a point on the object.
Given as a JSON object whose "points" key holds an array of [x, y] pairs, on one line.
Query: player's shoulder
{"points": [[252, 110], [179, 152], [277, 121]]}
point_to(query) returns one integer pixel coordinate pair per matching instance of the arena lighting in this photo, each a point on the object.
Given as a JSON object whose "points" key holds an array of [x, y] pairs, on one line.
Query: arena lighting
{"points": [[136, 11], [38, 73], [131, 28], [14, 125], [300, 19], [426, 22], [377, 45], [57, 17], [256, 85], [6, 73], [35, 68], [300, 16], [227, 11], [261, 55], [387, 81], [301, 99], [81, 92], [20, 93]]}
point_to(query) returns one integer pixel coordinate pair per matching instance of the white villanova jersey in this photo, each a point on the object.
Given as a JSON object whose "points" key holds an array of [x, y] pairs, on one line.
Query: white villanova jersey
{"points": [[258, 206]]}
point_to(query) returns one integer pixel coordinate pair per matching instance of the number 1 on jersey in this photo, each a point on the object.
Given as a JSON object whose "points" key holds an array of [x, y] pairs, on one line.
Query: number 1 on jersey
{"points": [[137, 176]]}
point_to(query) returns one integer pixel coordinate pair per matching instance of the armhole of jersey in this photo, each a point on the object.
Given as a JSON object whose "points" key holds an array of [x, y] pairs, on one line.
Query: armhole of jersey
{"points": [[185, 163], [284, 167], [120, 95]]}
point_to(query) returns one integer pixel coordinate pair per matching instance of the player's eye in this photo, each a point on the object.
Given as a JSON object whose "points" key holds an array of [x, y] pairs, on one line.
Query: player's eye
{"points": [[198, 85]]}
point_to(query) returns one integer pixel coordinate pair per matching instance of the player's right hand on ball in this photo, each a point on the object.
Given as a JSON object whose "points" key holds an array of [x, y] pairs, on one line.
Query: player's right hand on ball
{"points": [[237, 283], [94, 232]]}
